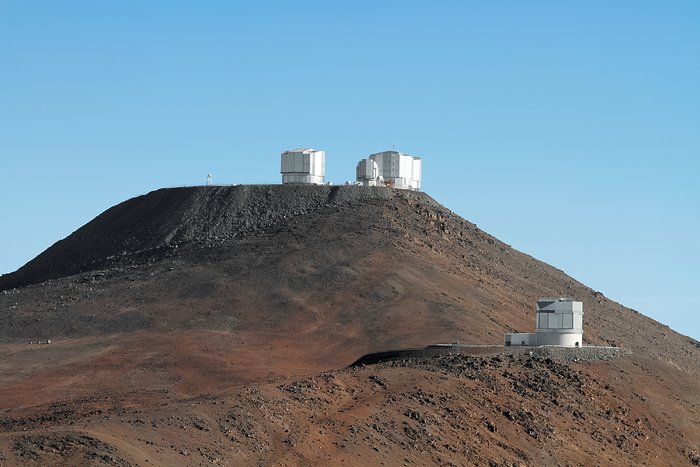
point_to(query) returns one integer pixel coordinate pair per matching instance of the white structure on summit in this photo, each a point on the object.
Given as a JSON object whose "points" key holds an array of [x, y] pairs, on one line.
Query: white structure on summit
{"points": [[391, 168], [558, 321], [303, 167], [367, 173]]}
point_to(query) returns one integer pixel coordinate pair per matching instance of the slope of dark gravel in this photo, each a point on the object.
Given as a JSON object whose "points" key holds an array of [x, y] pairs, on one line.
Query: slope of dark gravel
{"points": [[150, 225], [64, 448]]}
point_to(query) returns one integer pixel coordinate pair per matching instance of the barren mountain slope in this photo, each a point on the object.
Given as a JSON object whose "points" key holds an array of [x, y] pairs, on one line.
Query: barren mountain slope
{"points": [[192, 291]]}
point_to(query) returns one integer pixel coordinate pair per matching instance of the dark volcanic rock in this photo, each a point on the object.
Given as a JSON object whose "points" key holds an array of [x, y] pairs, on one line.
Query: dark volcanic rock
{"points": [[61, 447], [151, 225]]}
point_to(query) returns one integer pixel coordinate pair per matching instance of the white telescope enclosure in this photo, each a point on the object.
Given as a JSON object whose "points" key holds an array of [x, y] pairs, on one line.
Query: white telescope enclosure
{"points": [[558, 321], [395, 168], [303, 167], [367, 172]]}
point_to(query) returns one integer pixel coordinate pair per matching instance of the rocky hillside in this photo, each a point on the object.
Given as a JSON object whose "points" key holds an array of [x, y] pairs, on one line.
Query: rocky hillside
{"points": [[167, 307], [148, 226]]}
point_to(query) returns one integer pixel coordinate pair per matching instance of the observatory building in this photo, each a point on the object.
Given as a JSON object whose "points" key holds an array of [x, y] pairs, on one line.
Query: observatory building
{"points": [[558, 321], [303, 167], [390, 168], [367, 173]]}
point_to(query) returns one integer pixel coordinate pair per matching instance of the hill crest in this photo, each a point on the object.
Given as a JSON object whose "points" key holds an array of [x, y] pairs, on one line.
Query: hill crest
{"points": [[150, 225]]}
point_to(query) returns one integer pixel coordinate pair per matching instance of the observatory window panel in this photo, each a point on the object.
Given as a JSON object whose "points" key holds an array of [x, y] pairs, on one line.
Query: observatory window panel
{"points": [[568, 321], [555, 321], [543, 320], [578, 321]]}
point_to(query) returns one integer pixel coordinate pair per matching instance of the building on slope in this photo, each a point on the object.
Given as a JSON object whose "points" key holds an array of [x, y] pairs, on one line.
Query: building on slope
{"points": [[303, 167], [390, 168], [558, 321]]}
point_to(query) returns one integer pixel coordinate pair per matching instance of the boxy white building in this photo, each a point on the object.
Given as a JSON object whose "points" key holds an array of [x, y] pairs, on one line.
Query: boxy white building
{"points": [[393, 169], [558, 321], [303, 166], [367, 172]]}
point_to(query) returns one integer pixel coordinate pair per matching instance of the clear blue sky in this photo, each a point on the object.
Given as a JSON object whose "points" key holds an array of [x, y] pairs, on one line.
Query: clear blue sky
{"points": [[570, 130]]}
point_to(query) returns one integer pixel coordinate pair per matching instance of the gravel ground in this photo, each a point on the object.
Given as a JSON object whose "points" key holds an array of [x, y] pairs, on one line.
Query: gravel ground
{"points": [[151, 226], [565, 354], [583, 354]]}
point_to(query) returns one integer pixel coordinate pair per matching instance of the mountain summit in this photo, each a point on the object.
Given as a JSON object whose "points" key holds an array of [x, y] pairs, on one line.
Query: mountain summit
{"points": [[231, 309]]}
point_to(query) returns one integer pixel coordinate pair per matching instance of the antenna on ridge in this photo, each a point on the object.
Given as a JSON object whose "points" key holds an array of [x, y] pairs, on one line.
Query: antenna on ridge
{"points": [[210, 179]]}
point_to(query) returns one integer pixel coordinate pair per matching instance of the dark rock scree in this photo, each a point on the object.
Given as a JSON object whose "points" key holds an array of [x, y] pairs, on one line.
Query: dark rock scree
{"points": [[152, 225]]}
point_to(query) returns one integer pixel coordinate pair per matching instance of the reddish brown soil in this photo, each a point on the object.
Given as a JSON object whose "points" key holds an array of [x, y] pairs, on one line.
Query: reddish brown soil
{"points": [[212, 325]]}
